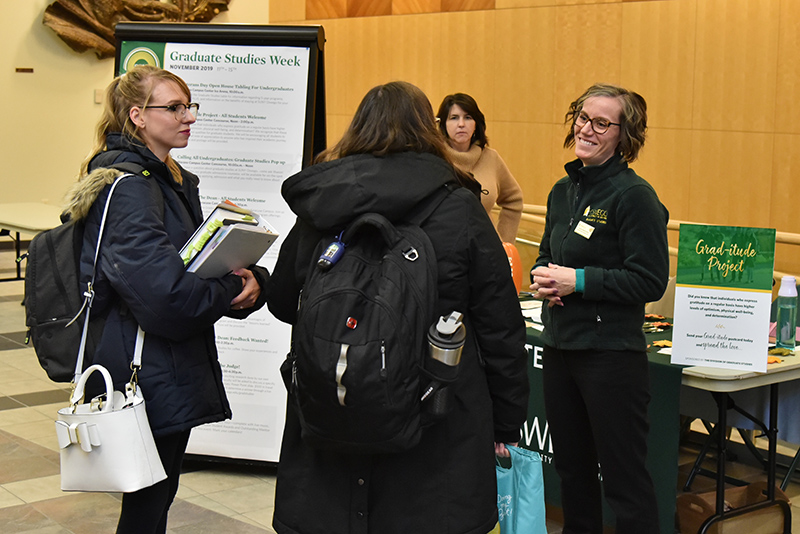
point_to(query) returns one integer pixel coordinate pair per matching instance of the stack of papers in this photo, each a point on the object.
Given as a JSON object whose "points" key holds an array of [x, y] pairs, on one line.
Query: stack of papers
{"points": [[532, 311], [230, 238]]}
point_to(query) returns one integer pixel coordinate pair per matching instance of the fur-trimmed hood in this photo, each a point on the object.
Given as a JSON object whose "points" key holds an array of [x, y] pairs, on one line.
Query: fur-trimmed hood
{"points": [[85, 191]]}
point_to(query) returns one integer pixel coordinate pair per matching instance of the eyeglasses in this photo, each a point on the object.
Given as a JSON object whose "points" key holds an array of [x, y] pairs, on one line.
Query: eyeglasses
{"points": [[599, 125], [179, 109]]}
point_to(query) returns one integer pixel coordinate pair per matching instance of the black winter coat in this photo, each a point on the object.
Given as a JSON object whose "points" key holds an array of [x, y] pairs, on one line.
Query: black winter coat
{"points": [[141, 280], [447, 483]]}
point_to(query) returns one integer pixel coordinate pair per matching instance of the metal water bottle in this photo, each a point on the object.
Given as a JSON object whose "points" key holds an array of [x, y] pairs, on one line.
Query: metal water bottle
{"points": [[445, 342], [446, 339], [787, 314]]}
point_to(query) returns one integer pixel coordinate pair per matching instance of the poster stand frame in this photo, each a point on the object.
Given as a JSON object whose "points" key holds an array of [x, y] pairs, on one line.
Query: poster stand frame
{"points": [[313, 37], [315, 125]]}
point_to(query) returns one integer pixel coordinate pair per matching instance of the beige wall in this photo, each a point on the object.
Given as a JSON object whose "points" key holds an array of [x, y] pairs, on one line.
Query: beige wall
{"points": [[48, 117]]}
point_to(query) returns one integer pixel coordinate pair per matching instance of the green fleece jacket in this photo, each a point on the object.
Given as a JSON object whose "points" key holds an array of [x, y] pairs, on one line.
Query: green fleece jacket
{"points": [[608, 221]]}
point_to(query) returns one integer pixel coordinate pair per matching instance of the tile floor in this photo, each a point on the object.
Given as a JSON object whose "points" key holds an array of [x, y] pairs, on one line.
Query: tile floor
{"points": [[213, 497]]}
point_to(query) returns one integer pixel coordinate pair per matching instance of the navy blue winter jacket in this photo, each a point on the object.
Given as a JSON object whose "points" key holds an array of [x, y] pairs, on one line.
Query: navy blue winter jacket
{"points": [[141, 280]]}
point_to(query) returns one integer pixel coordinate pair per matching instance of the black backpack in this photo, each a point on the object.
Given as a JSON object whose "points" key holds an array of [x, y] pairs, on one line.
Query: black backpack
{"points": [[55, 299], [360, 337]]}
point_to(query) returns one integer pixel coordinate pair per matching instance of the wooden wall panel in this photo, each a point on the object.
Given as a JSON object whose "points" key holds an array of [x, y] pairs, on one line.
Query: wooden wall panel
{"points": [[527, 149], [282, 11], [666, 163], [415, 54], [354, 50], [466, 5], [561, 155], [408, 7], [326, 9], [584, 2], [337, 124], [525, 57], [657, 61], [735, 69], [582, 56], [726, 185], [785, 194], [509, 4], [787, 98], [368, 8], [785, 183], [465, 59]]}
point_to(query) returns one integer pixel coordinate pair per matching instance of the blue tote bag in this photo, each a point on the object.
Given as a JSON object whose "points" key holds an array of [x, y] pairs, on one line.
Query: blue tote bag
{"points": [[520, 494]]}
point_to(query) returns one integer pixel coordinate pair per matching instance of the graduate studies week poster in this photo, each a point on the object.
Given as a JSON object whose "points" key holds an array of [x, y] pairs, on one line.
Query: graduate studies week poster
{"points": [[247, 140]]}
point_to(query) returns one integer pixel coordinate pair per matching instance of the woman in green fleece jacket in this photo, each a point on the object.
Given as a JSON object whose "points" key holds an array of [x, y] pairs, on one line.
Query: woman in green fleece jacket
{"points": [[604, 254]]}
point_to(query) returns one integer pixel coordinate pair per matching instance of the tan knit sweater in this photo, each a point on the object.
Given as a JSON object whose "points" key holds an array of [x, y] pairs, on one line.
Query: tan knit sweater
{"points": [[490, 170]]}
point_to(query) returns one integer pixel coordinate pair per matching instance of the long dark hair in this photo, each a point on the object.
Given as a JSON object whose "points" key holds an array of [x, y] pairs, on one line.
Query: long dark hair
{"points": [[393, 118]]}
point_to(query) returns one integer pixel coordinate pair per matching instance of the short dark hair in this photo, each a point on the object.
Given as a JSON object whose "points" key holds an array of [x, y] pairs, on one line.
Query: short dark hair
{"points": [[633, 120], [470, 106]]}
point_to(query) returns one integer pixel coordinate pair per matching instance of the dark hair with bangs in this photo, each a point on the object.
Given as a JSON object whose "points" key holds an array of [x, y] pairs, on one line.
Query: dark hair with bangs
{"points": [[470, 106]]}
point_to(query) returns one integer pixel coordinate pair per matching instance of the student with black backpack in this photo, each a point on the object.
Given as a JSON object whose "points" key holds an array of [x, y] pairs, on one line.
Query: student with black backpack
{"points": [[362, 452], [141, 280]]}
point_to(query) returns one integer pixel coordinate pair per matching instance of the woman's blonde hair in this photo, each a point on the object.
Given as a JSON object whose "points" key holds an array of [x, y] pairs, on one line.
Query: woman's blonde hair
{"points": [[134, 88]]}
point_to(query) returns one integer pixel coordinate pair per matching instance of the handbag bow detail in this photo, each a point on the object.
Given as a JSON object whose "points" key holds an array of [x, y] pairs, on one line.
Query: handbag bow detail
{"points": [[83, 434]]}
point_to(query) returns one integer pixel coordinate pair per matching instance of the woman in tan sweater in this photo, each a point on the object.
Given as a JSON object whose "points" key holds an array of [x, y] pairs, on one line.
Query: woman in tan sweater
{"points": [[464, 126]]}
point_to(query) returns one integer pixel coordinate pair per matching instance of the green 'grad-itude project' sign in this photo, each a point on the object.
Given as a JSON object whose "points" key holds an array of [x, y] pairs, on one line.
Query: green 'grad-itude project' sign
{"points": [[723, 296]]}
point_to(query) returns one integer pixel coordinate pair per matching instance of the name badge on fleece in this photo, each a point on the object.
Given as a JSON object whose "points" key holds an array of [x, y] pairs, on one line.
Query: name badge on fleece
{"points": [[584, 229]]}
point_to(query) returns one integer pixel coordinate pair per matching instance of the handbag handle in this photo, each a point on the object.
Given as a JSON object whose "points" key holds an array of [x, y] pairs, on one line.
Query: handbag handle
{"points": [[77, 395]]}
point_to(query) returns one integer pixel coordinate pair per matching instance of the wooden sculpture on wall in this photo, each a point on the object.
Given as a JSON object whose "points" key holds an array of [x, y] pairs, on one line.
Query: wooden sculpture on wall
{"points": [[89, 24]]}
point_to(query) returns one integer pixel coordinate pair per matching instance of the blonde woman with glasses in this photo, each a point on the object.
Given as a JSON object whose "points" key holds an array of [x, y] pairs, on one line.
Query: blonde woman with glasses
{"points": [[141, 280]]}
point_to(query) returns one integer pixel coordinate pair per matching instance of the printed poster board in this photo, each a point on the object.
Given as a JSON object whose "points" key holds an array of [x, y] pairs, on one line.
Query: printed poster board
{"points": [[723, 294], [261, 120]]}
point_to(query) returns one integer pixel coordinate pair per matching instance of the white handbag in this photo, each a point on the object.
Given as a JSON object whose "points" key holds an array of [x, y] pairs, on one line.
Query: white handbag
{"points": [[106, 444]]}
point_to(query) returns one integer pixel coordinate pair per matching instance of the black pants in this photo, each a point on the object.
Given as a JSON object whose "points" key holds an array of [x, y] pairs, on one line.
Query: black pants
{"points": [[596, 404], [145, 511]]}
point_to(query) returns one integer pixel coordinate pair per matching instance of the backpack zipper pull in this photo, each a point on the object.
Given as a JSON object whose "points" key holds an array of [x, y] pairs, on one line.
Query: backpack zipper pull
{"points": [[384, 373]]}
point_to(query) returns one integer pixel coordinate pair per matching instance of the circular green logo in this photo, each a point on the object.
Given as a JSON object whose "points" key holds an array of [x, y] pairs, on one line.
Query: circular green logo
{"points": [[140, 56]]}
